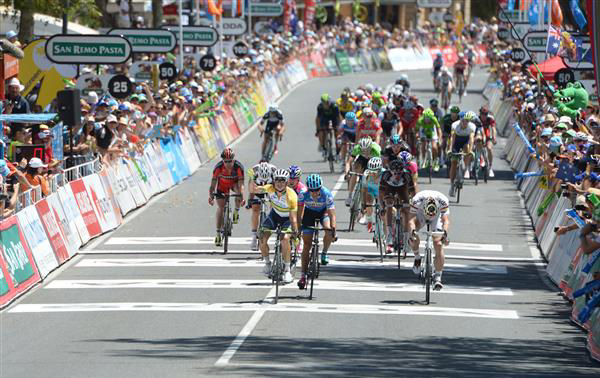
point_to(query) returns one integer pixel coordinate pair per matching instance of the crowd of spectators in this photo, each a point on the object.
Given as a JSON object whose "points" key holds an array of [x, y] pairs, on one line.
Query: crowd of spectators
{"points": [[566, 143]]}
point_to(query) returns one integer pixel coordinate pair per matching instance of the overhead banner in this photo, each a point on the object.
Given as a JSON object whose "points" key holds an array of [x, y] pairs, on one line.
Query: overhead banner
{"points": [[147, 40], [88, 49], [18, 271]]}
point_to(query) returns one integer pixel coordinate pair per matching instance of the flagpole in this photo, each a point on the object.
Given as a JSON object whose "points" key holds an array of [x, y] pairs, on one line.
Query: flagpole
{"points": [[250, 30], [180, 35]]}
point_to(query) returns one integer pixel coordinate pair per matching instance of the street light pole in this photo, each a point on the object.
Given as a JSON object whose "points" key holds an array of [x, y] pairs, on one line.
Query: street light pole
{"points": [[65, 17]]}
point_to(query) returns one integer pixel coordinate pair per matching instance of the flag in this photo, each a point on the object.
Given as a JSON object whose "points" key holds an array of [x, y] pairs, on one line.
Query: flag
{"points": [[554, 41], [578, 15], [532, 13], [587, 56], [578, 49], [567, 171], [510, 6]]}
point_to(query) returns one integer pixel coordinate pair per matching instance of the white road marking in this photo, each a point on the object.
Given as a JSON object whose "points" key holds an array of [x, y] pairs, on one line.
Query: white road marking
{"points": [[263, 284], [185, 240], [338, 185], [281, 307], [244, 333], [225, 263]]}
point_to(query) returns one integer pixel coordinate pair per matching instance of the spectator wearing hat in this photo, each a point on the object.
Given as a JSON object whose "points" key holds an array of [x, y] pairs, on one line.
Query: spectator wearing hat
{"points": [[35, 175], [105, 134], [15, 103], [12, 37]]}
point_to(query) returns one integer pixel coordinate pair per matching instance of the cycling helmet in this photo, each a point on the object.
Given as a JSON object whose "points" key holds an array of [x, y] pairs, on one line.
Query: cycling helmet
{"points": [[395, 139], [376, 95], [484, 109], [264, 171], [365, 143], [433, 102], [368, 112], [273, 107], [390, 107], [295, 171], [396, 165], [227, 154], [430, 208], [455, 109], [314, 182], [281, 174], [404, 77], [439, 54], [374, 164], [405, 157], [350, 116], [324, 97], [367, 102], [369, 87], [360, 93], [461, 55], [470, 115]]}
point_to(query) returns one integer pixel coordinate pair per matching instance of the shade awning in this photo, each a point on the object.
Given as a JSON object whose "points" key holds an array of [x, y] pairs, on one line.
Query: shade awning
{"points": [[27, 118]]}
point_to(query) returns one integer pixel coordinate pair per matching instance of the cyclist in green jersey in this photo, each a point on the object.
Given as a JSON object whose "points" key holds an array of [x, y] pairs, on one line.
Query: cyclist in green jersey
{"points": [[429, 128], [364, 150]]}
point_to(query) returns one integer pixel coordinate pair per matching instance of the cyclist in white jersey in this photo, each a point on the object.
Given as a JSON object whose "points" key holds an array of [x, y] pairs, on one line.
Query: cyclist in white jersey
{"points": [[430, 206], [462, 139]]}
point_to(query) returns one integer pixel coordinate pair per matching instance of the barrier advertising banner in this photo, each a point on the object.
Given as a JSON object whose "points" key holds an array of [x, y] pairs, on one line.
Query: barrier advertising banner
{"points": [[67, 226], [54, 231], [85, 207], [32, 227], [72, 212], [18, 272], [111, 195], [102, 205]]}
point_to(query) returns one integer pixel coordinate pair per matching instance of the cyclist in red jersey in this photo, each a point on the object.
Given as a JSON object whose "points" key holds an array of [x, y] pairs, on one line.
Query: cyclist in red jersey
{"points": [[409, 114], [460, 68], [488, 124], [369, 125], [228, 175]]}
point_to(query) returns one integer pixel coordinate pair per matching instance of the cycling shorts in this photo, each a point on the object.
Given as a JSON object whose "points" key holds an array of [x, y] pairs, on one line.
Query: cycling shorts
{"points": [[459, 143], [373, 190], [274, 220], [432, 133], [389, 192], [256, 199], [439, 227], [310, 217], [349, 137], [361, 161]]}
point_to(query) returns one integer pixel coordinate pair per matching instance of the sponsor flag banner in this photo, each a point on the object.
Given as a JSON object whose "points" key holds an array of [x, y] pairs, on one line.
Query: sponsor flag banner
{"points": [[32, 227], [54, 231], [18, 272]]}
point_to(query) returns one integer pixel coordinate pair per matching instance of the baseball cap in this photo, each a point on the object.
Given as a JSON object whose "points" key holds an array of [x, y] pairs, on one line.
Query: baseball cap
{"points": [[111, 118], [547, 131], [566, 119], [36, 163], [561, 126]]}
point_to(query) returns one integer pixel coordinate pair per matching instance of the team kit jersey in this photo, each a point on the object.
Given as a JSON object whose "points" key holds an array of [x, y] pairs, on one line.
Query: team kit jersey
{"points": [[417, 205], [322, 203], [282, 205], [375, 151], [273, 119], [371, 129], [300, 189], [463, 131], [227, 179]]}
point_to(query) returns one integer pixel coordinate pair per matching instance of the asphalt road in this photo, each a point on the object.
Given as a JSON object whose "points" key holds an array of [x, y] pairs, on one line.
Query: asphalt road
{"points": [[157, 299]]}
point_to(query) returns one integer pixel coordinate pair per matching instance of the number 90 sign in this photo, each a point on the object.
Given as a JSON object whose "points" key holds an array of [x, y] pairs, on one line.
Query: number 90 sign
{"points": [[120, 86]]}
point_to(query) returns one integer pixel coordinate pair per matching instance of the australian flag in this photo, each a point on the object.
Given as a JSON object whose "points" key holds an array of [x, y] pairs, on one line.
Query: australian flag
{"points": [[554, 39], [567, 172]]}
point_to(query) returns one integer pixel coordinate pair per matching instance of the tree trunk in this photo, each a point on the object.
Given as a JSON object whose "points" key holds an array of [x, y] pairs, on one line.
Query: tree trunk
{"points": [[157, 13], [26, 24], [107, 19]]}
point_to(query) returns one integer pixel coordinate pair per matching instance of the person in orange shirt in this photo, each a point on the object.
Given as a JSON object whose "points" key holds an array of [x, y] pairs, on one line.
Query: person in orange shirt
{"points": [[35, 176]]}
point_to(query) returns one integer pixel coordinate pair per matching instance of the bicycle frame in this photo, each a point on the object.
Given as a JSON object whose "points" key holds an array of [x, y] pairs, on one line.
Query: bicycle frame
{"points": [[400, 238], [428, 274], [355, 206], [270, 145], [227, 221]]}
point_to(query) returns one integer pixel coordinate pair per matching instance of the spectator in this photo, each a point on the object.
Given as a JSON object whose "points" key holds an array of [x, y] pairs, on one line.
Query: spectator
{"points": [[35, 175], [15, 103], [11, 36]]}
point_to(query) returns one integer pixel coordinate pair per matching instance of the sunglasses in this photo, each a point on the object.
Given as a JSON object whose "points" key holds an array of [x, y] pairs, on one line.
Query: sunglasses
{"points": [[314, 190], [227, 161], [280, 180]]}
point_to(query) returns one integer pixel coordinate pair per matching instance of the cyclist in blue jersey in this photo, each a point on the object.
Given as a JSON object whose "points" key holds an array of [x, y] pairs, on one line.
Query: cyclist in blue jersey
{"points": [[438, 63], [318, 206], [347, 133]]}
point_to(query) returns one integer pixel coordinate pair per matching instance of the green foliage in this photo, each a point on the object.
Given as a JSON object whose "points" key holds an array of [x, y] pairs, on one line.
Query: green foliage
{"points": [[484, 9], [85, 12]]}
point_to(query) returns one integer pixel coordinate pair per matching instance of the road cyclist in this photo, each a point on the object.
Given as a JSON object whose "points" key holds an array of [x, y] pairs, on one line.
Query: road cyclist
{"points": [[347, 134], [364, 150], [370, 187], [488, 124], [272, 127], [345, 104], [284, 207], [259, 175], [395, 147], [318, 207], [447, 121], [438, 63], [327, 113], [446, 88], [429, 132], [462, 139], [369, 126], [430, 208], [461, 70], [228, 175], [389, 123]]}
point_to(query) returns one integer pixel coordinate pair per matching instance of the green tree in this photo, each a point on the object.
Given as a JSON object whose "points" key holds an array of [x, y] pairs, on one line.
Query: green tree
{"points": [[157, 13], [484, 9]]}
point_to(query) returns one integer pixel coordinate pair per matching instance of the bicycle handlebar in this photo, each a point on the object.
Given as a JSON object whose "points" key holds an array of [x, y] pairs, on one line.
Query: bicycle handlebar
{"points": [[355, 174], [226, 195]]}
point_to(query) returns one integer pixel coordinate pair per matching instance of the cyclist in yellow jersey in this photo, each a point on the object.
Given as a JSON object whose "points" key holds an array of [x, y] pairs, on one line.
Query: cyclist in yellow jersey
{"points": [[345, 104], [284, 207]]}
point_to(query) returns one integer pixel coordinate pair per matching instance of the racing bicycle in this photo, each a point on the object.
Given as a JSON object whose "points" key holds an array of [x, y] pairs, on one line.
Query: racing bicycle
{"points": [[480, 162], [278, 267], [460, 78], [227, 220], [329, 153], [314, 265], [270, 146], [401, 244], [460, 173], [378, 231], [356, 204], [428, 158], [426, 274]]}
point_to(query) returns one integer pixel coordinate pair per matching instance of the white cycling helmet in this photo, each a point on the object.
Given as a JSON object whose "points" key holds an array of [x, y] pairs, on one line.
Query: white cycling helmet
{"points": [[461, 55], [281, 174], [368, 111], [369, 88], [273, 107], [404, 77], [264, 171], [365, 143], [360, 93], [374, 164], [390, 107]]}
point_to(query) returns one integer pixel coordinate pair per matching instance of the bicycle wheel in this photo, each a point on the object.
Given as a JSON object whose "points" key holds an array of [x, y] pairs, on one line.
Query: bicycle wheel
{"points": [[355, 206], [330, 152], [399, 239], [226, 228], [276, 270], [313, 268], [379, 240], [269, 149], [458, 188], [476, 169], [429, 161], [427, 274]]}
